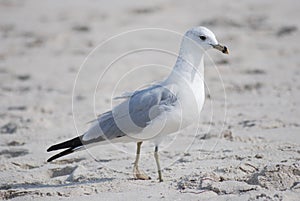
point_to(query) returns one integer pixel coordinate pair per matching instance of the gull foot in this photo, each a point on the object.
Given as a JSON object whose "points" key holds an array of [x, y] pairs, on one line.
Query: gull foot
{"points": [[140, 174]]}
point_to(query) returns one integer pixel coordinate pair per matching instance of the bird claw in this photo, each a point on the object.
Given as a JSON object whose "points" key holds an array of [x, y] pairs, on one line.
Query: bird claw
{"points": [[140, 174]]}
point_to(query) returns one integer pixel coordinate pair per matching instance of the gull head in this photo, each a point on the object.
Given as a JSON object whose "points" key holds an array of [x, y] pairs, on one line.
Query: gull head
{"points": [[205, 38]]}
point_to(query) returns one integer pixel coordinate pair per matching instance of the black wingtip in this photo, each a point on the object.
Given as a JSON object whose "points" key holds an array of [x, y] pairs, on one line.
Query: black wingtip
{"points": [[63, 153], [50, 159], [73, 143], [50, 149], [57, 147]]}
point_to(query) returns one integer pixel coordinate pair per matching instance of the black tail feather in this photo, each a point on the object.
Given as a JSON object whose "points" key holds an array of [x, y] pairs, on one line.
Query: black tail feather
{"points": [[63, 153], [73, 143]]}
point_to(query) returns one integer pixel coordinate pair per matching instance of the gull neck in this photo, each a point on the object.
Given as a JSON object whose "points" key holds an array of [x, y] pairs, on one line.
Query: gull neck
{"points": [[189, 62]]}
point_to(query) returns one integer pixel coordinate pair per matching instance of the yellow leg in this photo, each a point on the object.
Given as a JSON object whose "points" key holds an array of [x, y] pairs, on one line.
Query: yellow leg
{"points": [[157, 163], [136, 172]]}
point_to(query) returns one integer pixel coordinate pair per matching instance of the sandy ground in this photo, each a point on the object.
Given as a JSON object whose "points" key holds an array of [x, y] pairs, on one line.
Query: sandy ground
{"points": [[245, 147]]}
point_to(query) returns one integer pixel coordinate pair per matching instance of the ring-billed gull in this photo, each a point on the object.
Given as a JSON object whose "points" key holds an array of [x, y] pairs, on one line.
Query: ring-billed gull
{"points": [[153, 112]]}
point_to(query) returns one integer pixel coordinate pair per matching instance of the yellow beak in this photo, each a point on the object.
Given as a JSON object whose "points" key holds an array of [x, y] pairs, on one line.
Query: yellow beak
{"points": [[222, 48]]}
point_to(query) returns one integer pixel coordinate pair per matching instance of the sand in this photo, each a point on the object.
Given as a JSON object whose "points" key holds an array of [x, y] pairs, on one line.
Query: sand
{"points": [[245, 147]]}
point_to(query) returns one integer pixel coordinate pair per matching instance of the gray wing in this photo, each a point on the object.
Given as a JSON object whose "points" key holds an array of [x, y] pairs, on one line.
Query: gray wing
{"points": [[135, 113], [146, 105]]}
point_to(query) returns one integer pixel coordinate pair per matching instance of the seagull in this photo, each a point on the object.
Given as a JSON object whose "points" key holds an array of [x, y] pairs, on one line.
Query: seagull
{"points": [[151, 113]]}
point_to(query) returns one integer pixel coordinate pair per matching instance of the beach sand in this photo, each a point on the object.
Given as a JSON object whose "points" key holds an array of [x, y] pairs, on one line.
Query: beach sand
{"points": [[246, 145]]}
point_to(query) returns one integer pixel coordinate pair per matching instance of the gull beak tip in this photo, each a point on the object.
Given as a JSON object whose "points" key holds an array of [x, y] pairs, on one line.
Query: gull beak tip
{"points": [[225, 50], [221, 48]]}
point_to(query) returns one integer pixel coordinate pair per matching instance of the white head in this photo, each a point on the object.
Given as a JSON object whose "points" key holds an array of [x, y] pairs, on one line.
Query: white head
{"points": [[205, 38]]}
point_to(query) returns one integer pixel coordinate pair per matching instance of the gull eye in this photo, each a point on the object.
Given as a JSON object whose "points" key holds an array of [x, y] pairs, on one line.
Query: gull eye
{"points": [[202, 37]]}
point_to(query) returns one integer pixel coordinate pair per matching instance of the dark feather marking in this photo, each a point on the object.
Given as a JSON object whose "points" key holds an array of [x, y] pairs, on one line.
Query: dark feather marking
{"points": [[63, 153]]}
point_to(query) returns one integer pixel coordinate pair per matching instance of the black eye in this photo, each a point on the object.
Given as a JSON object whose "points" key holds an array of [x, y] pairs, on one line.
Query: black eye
{"points": [[202, 37]]}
